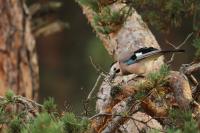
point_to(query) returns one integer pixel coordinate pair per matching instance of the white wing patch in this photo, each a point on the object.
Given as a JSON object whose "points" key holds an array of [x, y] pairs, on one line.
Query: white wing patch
{"points": [[138, 54]]}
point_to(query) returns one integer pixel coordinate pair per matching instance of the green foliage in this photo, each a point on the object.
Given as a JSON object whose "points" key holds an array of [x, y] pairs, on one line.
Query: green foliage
{"points": [[174, 12], [9, 96], [182, 122], [153, 18], [190, 127], [70, 123], [180, 115], [105, 20], [2, 116], [44, 123], [196, 44], [155, 80], [142, 86], [108, 21], [171, 130], [93, 4], [15, 125], [74, 125], [139, 95], [158, 78], [49, 105], [47, 121]]}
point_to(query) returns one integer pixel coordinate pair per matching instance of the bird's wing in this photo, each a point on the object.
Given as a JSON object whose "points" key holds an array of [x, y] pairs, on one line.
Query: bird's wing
{"points": [[145, 50], [132, 55], [154, 54], [140, 54], [148, 54]]}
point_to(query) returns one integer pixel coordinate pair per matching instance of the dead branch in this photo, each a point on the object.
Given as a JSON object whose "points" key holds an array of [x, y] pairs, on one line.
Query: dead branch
{"points": [[145, 122], [127, 106], [190, 68], [97, 68], [178, 47], [31, 106], [94, 87]]}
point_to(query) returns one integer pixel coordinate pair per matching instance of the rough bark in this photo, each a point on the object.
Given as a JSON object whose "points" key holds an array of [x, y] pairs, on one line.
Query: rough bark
{"points": [[18, 59], [133, 34]]}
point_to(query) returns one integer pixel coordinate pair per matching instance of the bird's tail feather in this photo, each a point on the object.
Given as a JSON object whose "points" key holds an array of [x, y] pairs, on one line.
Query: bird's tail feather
{"points": [[171, 51], [158, 53]]}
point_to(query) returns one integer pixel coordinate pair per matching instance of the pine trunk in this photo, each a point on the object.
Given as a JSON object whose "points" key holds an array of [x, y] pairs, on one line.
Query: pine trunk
{"points": [[18, 59]]}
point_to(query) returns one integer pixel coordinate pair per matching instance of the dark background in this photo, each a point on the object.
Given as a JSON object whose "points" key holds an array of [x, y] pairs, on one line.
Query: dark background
{"points": [[66, 73]]}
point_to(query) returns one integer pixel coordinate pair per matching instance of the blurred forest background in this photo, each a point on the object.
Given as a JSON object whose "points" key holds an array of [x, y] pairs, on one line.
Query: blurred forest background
{"points": [[66, 72]]}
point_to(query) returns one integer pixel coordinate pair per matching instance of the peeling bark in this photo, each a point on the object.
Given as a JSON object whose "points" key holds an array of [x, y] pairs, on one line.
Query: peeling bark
{"points": [[18, 59]]}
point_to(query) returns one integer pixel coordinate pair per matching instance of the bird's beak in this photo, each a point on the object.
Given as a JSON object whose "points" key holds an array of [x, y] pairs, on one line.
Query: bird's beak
{"points": [[112, 76]]}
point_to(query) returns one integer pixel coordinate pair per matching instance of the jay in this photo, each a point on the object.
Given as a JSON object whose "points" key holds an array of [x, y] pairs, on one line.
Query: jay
{"points": [[139, 63]]}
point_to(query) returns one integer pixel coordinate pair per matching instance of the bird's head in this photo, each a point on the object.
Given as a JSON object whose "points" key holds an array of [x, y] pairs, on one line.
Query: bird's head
{"points": [[115, 70]]}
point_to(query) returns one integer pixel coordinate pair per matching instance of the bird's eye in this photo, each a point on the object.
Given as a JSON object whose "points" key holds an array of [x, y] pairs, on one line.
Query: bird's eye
{"points": [[114, 69], [118, 70]]}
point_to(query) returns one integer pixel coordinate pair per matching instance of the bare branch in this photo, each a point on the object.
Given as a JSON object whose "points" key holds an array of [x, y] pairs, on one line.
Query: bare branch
{"points": [[26, 100], [186, 39], [177, 47], [97, 68], [31, 106], [128, 117], [94, 87], [188, 69]]}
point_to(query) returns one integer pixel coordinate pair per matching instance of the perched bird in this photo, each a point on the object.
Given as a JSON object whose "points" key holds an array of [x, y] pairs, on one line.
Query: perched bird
{"points": [[139, 63]]}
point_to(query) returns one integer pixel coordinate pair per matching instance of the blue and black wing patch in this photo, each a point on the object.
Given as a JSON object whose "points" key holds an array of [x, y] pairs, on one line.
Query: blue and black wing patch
{"points": [[147, 52], [139, 53]]}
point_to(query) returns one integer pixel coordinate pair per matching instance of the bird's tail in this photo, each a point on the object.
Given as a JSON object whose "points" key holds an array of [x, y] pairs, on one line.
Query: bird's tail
{"points": [[157, 53], [172, 51]]}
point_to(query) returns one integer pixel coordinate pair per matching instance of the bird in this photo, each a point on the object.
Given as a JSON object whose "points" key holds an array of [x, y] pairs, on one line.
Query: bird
{"points": [[139, 62]]}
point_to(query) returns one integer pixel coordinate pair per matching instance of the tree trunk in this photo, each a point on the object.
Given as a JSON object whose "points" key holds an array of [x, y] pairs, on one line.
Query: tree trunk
{"points": [[132, 35], [18, 59]]}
